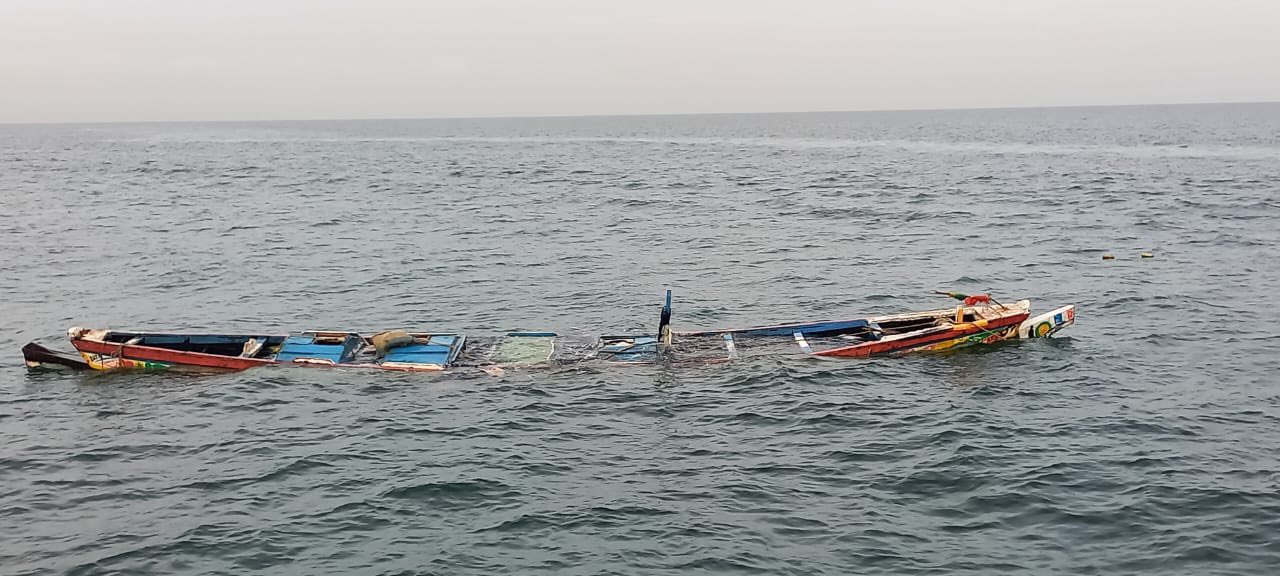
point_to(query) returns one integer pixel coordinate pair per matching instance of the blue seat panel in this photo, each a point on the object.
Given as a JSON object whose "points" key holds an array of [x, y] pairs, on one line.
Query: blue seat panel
{"points": [[420, 353], [304, 346]]}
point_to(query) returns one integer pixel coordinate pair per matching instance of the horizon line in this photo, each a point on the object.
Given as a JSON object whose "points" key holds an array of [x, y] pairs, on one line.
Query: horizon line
{"points": [[632, 114]]}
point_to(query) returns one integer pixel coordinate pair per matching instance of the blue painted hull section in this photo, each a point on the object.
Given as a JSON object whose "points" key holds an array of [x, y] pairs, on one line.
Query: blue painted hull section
{"points": [[807, 328], [419, 354]]}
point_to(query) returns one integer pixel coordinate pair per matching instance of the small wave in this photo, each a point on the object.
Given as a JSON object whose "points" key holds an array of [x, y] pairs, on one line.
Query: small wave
{"points": [[447, 493], [298, 467]]}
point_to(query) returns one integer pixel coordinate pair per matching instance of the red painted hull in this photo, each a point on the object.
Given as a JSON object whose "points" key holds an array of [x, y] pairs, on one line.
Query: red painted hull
{"points": [[166, 356], [881, 347]]}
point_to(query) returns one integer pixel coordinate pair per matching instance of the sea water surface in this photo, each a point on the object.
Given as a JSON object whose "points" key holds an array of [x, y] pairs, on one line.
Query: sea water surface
{"points": [[1142, 441]]}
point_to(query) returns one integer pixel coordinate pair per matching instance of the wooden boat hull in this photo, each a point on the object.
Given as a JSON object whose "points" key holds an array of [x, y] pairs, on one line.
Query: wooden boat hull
{"points": [[112, 356], [927, 331], [961, 335], [113, 350]]}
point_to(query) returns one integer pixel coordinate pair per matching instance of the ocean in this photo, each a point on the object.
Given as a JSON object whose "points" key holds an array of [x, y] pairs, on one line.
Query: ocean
{"points": [[1143, 440]]}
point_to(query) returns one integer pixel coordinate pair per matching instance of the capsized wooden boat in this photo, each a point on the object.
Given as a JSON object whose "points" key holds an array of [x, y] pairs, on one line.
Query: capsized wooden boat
{"points": [[978, 320]]}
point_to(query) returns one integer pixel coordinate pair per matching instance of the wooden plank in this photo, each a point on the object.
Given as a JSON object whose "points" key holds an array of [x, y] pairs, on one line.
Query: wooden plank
{"points": [[804, 344]]}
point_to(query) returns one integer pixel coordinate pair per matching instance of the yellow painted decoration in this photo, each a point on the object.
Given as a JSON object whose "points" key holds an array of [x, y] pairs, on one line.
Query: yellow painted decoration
{"points": [[971, 340], [975, 324], [945, 345], [106, 363]]}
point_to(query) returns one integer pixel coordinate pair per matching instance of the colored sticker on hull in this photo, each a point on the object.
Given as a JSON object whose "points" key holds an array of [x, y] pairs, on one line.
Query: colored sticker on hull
{"points": [[102, 362], [981, 338]]}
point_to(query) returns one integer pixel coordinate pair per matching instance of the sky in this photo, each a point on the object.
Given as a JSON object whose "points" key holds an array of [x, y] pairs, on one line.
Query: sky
{"points": [[143, 60]]}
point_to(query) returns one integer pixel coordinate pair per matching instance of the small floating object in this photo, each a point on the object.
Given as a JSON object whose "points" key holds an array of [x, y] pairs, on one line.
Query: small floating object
{"points": [[1147, 255], [1108, 256]]}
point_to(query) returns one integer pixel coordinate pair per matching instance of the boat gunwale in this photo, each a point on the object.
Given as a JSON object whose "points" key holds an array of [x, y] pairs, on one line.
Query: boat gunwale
{"points": [[1020, 305], [144, 353], [120, 349]]}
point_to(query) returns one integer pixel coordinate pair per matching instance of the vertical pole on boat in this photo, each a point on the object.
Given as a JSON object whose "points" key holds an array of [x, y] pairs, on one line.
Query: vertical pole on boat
{"points": [[664, 325]]}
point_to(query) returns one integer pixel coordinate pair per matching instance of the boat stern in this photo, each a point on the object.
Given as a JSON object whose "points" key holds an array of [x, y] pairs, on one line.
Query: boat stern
{"points": [[1049, 323]]}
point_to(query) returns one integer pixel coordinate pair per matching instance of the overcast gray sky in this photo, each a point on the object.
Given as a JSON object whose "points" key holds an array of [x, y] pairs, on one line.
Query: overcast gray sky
{"points": [[96, 60]]}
